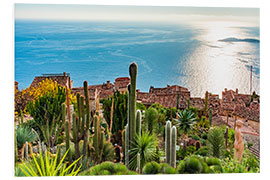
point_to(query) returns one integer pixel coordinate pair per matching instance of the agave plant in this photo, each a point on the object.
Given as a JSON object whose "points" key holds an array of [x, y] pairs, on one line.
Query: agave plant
{"points": [[24, 134], [47, 166], [186, 120], [145, 145]]}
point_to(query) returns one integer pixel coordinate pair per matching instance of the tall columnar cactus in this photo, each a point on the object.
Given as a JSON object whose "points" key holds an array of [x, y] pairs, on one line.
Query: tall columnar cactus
{"points": [[126, 145], [138, 163], [15, 144], [132, 101], [168, 141], [210, 116], [98, 140], [26, 150], [205, 103], [177, 103], [173, 147], [138, 122], [88, 116], [69, 157]]}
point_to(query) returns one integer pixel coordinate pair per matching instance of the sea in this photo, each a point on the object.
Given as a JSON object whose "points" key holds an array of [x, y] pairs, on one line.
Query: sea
{"points": [[201, 56]]}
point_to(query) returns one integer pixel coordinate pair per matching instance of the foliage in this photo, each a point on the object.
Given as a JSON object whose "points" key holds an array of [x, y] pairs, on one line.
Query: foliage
{"points": [[119, 111], [24, 134], [167, 169], [32, 93], [216, 142], [108, 153], [195, 137], [145, 145], [140, 106], [47, 166], [186, 120], [46, 111], [203, 122], [151, 168], [107, 168], [191, 165], [151, 119], [202, 151]]}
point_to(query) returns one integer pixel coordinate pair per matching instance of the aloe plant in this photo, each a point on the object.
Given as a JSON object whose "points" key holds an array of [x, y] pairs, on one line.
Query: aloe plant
{"points": [[47, 166]]}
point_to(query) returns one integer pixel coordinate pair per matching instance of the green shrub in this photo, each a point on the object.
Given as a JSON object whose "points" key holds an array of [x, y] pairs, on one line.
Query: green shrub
{"points": [[107, 168], [167, 169], [181, 154], [181, 167], [203, 142], [203, 151], [204, 135], [151, 168], [193, 165], [190, 150], [212, 161], [196, 137]]}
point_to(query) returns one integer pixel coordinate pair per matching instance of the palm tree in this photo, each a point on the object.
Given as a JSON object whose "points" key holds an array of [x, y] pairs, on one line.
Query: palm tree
{"points": [[185, 122], [145, 145]]}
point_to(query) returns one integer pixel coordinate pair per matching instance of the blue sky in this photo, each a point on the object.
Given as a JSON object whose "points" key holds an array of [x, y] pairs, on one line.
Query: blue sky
{"points": [[134, 13]]}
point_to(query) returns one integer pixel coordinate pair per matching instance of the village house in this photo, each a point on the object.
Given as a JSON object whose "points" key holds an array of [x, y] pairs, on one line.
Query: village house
{"points": [[232, 103]]}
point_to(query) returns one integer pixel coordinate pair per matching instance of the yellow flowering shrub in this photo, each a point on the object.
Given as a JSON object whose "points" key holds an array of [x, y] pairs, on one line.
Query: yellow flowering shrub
{"points": [[32, 93]]}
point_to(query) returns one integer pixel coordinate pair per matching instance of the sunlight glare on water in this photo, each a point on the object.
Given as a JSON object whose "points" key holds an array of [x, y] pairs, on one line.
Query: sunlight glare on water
{"points": [[215, 65]]}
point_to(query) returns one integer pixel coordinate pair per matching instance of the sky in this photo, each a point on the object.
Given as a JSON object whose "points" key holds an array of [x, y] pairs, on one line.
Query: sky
{"points": [[134, 13]]}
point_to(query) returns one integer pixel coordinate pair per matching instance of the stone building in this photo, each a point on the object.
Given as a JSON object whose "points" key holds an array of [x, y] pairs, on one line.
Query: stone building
{"points": [[165, 96], [62, 79]]}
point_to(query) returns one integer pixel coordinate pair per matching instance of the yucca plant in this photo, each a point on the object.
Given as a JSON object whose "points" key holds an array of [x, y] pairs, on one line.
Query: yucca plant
{"points": [[47, 166], [185, 121], [145, 145], [24, 134]]}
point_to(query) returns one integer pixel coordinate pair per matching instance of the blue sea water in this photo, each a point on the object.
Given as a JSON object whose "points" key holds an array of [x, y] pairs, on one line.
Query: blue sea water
{"points": [[165, 54]]}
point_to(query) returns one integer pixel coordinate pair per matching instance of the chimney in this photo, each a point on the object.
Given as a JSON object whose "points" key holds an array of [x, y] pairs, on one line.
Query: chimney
{"points": [[236, 91], [64, 73]]}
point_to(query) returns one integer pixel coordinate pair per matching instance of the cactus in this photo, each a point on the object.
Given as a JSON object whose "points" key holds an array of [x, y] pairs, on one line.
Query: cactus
{"points": [[69, 157], [15, 145], [138, 163], [210, 117], [98, 140], [205, 103], [168, 141], [177, 103], [88, 116], [26, 150], [138, 122], [173, 147], [80, 124], [126, 146], [132, 101]]}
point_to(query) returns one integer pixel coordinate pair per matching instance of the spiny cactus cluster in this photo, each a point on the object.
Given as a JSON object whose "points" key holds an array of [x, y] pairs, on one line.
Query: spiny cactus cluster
{"points": [[80, 124], [170, 144]]}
